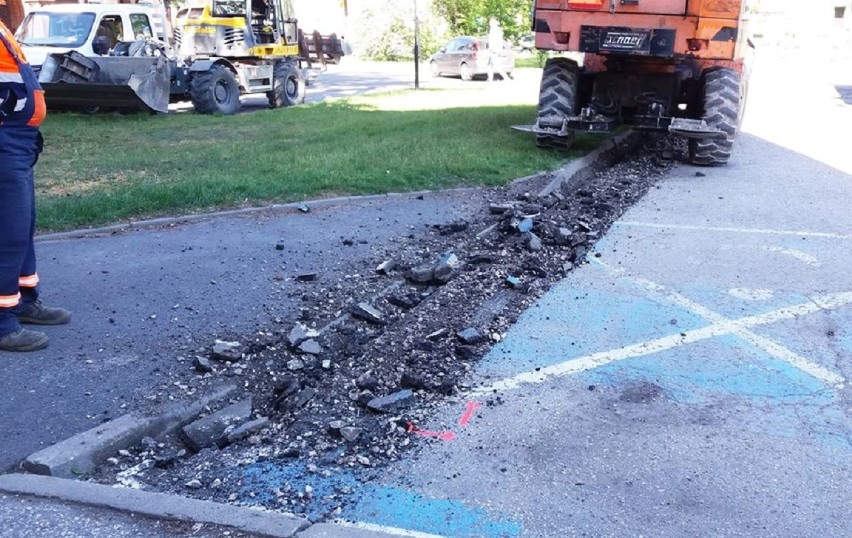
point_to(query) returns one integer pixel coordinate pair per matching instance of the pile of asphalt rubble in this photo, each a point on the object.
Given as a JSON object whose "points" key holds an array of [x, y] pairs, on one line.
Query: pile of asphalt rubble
{"points": [[344, 388]]}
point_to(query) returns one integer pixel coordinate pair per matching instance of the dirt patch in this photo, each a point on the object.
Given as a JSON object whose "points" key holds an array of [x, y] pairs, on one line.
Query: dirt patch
{"points": [[374, 352]]}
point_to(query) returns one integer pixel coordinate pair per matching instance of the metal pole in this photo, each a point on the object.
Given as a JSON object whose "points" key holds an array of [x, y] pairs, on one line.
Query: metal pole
{"points": [[416, 48]]}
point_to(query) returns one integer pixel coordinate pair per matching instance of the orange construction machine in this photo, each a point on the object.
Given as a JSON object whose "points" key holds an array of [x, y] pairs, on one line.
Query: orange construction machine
{"points": [[659, 65]]}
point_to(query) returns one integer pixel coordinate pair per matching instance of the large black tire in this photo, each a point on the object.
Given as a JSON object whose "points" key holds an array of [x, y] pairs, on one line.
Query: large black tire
{"points": [[215, 91], [557, 99], [288, 85], [465, 72], [720, 102]]}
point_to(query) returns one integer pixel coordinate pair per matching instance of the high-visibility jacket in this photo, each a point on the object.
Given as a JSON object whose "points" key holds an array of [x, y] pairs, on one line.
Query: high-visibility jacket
{"points": [[19, 88]]}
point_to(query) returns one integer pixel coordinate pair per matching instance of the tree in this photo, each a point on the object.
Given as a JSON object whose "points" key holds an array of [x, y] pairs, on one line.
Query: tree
{"points": [[470, 17]]}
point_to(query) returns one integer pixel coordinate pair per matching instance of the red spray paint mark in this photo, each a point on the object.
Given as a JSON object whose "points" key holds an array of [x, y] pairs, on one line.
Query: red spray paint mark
{"points": [[443, 436], [471, 409]]}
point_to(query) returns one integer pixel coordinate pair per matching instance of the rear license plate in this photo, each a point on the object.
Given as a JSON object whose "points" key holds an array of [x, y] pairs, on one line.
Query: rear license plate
{"points": [[626, 40]]}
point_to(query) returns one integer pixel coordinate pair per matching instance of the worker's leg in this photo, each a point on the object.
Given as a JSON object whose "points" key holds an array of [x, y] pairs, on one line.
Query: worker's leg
{"points": [[28, 279], [16, 204], [30, 309]]}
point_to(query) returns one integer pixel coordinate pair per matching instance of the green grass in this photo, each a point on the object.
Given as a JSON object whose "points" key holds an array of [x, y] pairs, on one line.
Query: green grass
{"points": [[105, 169]]}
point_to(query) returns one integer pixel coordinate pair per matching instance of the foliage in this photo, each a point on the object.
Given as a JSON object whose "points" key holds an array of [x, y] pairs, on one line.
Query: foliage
{"points": [[395, 39], [470, 17], [386, 27]]}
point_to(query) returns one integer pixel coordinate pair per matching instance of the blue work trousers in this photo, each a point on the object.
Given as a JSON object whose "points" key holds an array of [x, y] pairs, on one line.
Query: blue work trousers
{"points": [[20, 146]]}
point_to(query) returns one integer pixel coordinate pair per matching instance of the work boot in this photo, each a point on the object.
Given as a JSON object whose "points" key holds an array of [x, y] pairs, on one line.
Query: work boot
{"points": [[23, 340], [37, 314]]}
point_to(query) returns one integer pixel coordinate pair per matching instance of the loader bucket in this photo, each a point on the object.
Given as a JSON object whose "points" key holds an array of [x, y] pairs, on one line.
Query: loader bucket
{"points": [[74, 80]]}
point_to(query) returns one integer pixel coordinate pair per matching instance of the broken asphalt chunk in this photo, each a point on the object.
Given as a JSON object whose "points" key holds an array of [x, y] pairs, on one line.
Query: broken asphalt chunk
{"points": [[244, 430], [298, 334], [421, 274], [406, 301], [470, 336], [369, 313], [226, 351], [202, 365], [412, 381], [304, 396], [499, 209], [350, 433], [306, 277], [386, 267], [310, 347], [446, 268], [206, 432], [451, 228], [534, 242], [335, 426], [366, 381], [168, 458], [466, 352], [391, 402]]}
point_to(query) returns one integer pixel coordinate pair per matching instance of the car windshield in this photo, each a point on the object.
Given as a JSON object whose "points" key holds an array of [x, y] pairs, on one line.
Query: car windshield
{"points": [[56, 29], [229, 8]]}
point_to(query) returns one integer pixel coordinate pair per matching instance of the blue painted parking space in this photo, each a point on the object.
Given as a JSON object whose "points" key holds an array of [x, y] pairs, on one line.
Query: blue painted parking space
{"points": [[356, 497]]}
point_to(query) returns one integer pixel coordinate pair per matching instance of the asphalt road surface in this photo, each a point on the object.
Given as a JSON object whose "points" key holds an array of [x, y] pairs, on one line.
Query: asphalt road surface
{"points": [[691, 380]]}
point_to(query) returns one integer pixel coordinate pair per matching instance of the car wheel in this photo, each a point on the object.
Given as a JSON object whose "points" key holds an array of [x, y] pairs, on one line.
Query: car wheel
{"points": [[466, 72], [433, 66]]}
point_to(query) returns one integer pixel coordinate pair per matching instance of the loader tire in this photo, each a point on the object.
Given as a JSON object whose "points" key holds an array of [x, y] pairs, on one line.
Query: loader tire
{"points": [[557, 99], [215, 91], [288, 85], [720, 102]]}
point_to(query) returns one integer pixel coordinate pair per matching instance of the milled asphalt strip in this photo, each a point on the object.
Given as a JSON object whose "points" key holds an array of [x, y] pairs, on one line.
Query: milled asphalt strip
{"points": [[68, 456]]}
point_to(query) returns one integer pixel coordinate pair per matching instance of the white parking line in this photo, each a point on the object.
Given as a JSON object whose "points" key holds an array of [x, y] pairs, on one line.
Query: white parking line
{"points": [[384, 529], [826, 235], [772, 348], [722, 327]]}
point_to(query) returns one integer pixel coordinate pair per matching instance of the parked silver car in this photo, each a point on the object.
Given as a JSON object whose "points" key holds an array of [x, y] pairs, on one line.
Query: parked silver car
{"points": [[467, 57]]}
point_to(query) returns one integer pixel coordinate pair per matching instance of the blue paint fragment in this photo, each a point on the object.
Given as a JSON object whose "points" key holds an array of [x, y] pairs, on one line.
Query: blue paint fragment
{"points": [[403, 509], [362, 500]]}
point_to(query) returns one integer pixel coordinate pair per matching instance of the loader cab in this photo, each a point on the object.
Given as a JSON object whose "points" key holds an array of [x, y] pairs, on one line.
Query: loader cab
{"points": [[237, 29], [90, 29]]}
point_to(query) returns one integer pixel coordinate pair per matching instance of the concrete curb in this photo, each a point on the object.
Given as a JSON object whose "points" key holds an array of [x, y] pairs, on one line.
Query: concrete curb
{"points": [[83, 452], [155, 505], [606, 154]]}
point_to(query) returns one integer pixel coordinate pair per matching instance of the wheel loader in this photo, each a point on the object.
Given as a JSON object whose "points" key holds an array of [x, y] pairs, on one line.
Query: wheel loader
{"points": [[672, 66], [219, 50]]}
